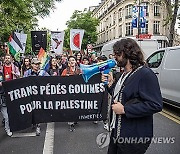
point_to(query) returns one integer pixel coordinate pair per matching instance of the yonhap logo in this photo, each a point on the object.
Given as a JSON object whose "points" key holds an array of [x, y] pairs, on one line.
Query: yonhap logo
{"points": [[103, 140]]}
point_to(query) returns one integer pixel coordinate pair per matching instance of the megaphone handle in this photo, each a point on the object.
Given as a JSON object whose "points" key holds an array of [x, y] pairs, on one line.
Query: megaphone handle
{"points": [[106, 72]]}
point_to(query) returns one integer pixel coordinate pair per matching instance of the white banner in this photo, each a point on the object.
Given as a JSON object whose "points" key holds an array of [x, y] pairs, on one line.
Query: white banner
{"points": [[76, 37], [57, 39], [22, 38]]}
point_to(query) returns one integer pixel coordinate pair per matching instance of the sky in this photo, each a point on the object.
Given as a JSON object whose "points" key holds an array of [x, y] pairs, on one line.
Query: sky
{"points": [[64, 10]]}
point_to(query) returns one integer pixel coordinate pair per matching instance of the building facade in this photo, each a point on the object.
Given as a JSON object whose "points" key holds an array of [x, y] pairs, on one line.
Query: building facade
{"points": [[116, 21]]}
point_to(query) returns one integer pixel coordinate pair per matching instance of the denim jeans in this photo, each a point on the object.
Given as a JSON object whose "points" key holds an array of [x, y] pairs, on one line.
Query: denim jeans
{"points": [[5, 116]]}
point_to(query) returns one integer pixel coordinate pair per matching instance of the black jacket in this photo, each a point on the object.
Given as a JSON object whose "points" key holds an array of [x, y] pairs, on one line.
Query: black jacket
{"points": [[141, 98]]}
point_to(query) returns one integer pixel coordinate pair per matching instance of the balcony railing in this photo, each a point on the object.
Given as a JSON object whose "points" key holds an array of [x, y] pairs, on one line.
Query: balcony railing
{"points": [[117, 1], [157, 14], [109, 8], [157, 33], [100, 16]]}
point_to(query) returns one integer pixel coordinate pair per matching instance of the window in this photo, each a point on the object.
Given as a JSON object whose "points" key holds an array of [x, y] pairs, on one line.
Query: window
{"points": [[172, 62], [110, 21], [155, 60], [146, 6], [114, 18], [156, 27], [128, 9], [107, 36], [114, 32], [101, 27], [163, 43], [120, 14], [157, 9], [129, 29], [103, 37], [110, 34], [120, 31]]}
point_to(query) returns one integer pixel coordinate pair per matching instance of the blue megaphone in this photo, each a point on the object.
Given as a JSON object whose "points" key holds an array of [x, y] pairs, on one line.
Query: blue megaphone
{"points": [[89, 70]]}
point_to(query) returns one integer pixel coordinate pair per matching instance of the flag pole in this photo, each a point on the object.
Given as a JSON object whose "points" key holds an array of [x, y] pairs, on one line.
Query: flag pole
{"points": [[7, 50]]}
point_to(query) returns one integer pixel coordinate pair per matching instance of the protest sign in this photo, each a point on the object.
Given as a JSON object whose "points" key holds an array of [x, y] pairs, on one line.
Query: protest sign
{"points": [[40, 99]]}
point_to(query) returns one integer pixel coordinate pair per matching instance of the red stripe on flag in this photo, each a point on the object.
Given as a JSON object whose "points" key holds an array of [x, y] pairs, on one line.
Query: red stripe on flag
{"points": [[10, 38], [41, 53]]}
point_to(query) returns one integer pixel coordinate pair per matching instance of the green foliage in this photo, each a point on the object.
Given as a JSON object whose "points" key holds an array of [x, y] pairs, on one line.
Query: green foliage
{"points": [[82, 20], [18, 15]]}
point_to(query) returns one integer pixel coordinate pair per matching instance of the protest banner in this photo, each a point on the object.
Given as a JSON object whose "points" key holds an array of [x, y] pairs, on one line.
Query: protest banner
{"points": [[39, 99]]}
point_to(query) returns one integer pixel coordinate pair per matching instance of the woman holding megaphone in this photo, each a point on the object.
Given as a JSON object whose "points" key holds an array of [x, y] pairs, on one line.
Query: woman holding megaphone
{"points": [[136, 97]]}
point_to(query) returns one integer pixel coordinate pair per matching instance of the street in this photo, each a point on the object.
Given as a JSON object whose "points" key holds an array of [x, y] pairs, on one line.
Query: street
{"points": [[57, 139], [68, 63]]}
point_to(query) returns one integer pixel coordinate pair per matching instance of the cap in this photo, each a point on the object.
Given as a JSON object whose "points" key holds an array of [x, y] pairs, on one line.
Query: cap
{"points": [[35, 61]]}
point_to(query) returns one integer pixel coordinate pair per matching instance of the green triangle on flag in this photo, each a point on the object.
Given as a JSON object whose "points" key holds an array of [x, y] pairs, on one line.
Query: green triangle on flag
{"points": [[15, 46]]}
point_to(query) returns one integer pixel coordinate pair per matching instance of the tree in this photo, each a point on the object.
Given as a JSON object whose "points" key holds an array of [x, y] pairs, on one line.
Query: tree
{"points": [[172, 7], [82, 20], [21, 15]]}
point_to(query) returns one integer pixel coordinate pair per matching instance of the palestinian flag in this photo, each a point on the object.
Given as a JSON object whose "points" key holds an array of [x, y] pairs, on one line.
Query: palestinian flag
{"points": [[15, 46]]}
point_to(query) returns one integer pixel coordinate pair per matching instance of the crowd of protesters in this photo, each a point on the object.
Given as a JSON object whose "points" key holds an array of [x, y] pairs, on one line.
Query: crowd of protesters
{"points": [[59, 65], [133, 101]]}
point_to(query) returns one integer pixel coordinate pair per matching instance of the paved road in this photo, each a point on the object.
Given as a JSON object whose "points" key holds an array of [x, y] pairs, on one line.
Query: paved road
{"points": [[83, 139], [164, 127]]}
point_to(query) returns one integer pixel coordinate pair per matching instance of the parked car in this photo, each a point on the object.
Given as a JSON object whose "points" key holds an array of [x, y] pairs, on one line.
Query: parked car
{"points": [[166, 65]]}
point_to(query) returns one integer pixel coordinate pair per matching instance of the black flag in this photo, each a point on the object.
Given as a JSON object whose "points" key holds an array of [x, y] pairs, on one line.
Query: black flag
{"points": [[39, 39]]}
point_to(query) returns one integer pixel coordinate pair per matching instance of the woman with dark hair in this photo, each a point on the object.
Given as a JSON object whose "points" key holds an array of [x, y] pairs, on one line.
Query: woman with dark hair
{"points": [[26, 65], [54, 69], [93, 58], [85, 61], [78, 58], [72, 68], [136, 97]]}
